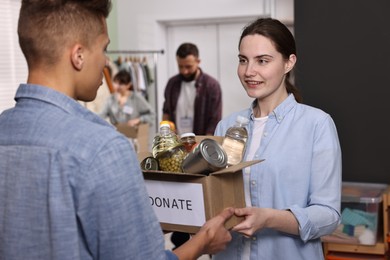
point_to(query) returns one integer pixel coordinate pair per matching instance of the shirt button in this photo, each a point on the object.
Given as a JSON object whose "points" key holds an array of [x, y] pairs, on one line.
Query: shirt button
{"points": [[253, 182], [265, 133], [254, 238]]}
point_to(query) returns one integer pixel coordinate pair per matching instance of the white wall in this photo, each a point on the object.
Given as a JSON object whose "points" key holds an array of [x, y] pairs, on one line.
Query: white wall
{"points": [[143, 25], [139, 17]]}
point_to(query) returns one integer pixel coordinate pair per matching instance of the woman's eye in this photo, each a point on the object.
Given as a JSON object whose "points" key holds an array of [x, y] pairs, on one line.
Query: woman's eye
{"points": [[241, 61], [262, 62]]}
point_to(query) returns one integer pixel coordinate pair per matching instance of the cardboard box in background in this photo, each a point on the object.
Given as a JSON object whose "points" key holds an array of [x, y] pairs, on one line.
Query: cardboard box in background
{"points": [[183, 201], [140, 133]]}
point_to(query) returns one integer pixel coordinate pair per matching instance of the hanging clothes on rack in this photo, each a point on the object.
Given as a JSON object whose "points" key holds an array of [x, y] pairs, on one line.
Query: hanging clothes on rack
{"points": [[145, 65], [139, 70], [142, 65]]}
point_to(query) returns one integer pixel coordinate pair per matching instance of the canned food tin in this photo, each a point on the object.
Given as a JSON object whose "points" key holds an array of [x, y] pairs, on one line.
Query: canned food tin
{"points": [[149, 163], [208, 156]]}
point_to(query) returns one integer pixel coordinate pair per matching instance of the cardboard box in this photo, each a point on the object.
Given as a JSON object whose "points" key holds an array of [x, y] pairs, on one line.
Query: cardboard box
{"points": [[140, 133], [361, 214], [184, 202]]}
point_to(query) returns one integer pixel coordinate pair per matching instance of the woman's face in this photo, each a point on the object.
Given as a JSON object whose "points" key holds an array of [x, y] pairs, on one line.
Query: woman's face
{"points": [[121, 88], [262, 68]]}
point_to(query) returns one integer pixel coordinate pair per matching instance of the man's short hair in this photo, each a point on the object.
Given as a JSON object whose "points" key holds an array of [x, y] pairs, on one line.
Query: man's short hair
{"points": [[47, 26], [186, 49]]}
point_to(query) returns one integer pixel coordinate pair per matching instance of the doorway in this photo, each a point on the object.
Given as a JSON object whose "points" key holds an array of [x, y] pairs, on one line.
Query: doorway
{"points": [[217, 41]]}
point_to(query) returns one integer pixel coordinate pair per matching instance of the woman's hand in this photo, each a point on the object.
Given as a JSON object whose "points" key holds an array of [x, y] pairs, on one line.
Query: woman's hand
{"points": [[256, 219], [133, 122]]}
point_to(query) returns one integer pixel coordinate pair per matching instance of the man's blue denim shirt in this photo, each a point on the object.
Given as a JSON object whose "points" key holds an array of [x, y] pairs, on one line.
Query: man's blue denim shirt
{"points": [[70, 185]]}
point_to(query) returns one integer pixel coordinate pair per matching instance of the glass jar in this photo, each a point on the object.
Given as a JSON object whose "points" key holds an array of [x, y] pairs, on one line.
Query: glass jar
{"points": [[171, 160], [188, 140], [168, 150]]}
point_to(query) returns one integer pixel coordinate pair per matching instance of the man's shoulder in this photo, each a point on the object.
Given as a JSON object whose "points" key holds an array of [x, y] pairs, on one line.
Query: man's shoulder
{"points": [[88, 139], [77, 132], [174, 81], [175, 78], [208, 79], [53, 128]]}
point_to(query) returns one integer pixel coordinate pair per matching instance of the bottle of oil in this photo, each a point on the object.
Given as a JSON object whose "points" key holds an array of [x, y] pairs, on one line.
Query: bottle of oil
{"points": [[165, 140], [235, 141]]}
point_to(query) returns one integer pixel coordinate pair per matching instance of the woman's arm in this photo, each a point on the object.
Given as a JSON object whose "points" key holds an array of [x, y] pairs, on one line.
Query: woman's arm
{"points": [[259, 218]]}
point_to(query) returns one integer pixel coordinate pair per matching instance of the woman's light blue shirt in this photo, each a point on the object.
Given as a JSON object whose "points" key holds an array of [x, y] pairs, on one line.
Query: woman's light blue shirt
{"points": [[301, 172]]}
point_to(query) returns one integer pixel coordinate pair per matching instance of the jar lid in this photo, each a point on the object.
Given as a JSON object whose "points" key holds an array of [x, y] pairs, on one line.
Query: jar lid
{"points": [[187, 135], [165, 125], [170, 123]]}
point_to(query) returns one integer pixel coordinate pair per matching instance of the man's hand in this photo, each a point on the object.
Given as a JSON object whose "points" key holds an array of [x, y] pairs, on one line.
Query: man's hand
{"points": [[210, 239], [216, 232]]}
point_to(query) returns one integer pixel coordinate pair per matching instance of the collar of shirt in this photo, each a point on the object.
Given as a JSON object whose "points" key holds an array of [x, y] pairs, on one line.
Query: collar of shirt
{"points": [[280, 111], [49, 95]]}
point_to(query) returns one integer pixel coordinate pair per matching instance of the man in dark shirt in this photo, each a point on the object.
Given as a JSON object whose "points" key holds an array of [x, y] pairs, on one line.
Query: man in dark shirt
{"points": [[193, 99]]}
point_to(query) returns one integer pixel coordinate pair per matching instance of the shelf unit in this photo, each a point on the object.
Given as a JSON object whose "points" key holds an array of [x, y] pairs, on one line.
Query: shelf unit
{"points": [[381, 248]]}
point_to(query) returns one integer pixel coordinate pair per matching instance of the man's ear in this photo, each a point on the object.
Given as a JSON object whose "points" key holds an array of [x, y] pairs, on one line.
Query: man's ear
{"points": [[77, 56]]}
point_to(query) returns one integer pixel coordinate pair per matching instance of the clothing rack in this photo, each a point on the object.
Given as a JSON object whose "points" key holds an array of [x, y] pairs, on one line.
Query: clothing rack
{"points": [[135, 52], [155, 54]]}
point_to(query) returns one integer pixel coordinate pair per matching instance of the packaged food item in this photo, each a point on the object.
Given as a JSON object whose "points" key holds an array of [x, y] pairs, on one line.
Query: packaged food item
{"points": [[149, 163], [171, 160], [235, 141], [208, 156], [164, 140], [188, 140], [170, 123], [168, 150]]}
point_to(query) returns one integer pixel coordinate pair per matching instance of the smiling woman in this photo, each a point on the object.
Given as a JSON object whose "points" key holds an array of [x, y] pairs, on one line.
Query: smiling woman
{"points": [[299, 144]]}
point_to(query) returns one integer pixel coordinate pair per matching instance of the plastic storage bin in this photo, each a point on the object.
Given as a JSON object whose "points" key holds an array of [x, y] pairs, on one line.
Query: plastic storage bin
{"points": [[360, 214]]}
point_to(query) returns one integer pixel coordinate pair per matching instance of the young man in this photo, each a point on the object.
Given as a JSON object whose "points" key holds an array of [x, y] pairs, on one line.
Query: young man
{"points": [[193, 99], [70, 185]]}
